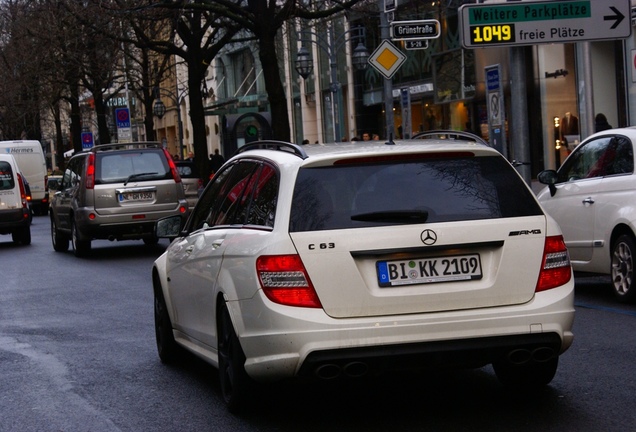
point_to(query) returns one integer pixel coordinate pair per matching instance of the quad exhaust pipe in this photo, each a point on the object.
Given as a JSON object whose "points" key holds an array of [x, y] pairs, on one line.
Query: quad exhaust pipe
{"points": [[537, 355], [329, 371]]}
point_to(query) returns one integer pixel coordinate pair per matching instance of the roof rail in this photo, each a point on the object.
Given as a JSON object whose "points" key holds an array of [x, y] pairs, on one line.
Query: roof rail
{"points": [[274, 145], [126, 146], [450, 134]]}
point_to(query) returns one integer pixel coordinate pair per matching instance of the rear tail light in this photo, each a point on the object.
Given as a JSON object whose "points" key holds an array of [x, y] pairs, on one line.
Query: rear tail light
{"points": [[173, 167], [285, 281], [555, 267], [90, 171], [23, 195]]}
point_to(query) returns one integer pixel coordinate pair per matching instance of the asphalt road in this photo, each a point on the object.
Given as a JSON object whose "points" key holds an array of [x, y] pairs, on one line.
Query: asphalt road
{"points": [[77, 353]]}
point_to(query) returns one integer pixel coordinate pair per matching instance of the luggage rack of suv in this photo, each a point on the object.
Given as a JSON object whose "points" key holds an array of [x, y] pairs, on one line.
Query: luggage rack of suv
{"points": [[125, 146], [274, 145], [450, 135]]}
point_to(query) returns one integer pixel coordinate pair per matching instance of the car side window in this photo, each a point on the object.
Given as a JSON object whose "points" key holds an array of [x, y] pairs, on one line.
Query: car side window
{"points": [[264, 194], [623, 161], [222, 203], [72, 175], [589, 160]]}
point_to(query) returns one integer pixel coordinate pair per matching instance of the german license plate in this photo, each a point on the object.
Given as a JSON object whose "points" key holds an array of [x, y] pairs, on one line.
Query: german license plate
{"points": [[429, 270], [136, 196]]}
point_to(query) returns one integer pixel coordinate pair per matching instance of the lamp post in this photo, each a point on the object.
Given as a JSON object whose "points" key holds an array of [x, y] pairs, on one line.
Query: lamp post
{"points": [[304, 64], [159, 109]]}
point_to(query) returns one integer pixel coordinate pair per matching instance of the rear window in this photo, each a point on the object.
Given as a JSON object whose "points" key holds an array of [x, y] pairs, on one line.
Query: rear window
{"points": [[433, 190], [186, 170], [6, 176], [117, 167]]}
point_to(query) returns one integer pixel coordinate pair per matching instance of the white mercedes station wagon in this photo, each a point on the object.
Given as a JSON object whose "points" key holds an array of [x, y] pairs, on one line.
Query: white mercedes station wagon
{"points": [[345, 260]]}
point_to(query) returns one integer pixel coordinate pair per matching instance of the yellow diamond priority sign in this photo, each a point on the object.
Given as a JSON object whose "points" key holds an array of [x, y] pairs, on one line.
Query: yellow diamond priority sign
{"points": [[387, 59]]}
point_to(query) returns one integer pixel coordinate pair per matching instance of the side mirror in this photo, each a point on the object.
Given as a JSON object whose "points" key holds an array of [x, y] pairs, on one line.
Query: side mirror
{"points": [[549, 177], [168, 227]]}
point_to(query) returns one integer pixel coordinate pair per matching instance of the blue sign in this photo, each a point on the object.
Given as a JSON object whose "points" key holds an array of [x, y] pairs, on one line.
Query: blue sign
{"points": [[87, 140], [492, 78], [122, 117]]}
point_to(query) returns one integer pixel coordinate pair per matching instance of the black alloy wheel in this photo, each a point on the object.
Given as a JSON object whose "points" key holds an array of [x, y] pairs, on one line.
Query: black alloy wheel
{"points": [[59, 240], [235, 383]]}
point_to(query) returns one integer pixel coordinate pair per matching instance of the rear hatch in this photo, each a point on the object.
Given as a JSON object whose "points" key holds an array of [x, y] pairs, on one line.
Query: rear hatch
{"points": [[9, 188], [134, 181], [417, 235]]}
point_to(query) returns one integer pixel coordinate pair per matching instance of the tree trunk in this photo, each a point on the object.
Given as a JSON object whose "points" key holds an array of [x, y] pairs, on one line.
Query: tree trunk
{"points": [[274, 88]]}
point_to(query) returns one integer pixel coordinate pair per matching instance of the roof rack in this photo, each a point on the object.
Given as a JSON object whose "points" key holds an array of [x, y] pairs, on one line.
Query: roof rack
{"points": [[274, 145], [126, 146], [450, 135]]}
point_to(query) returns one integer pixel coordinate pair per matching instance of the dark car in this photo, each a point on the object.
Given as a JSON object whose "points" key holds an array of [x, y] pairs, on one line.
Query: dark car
{"points": [[192, 184]]}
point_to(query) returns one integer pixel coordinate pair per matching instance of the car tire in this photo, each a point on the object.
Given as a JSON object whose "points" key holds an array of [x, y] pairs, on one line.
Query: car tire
{"points": [[167, 347], [622, 270], [59, 240], [81, 248], [151, 241], [235, 383], [529, 375], [22, 235]]}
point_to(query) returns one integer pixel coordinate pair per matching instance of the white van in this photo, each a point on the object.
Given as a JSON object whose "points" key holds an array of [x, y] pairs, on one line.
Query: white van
{"points": [[15, 215], [30, 158]]}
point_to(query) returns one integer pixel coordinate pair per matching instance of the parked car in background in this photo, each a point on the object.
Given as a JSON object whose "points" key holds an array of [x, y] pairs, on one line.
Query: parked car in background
{"points": [[115, 192], [593, 198], [30, 158], [345, 260], [15, 213], [192, 184], [52, 185]]}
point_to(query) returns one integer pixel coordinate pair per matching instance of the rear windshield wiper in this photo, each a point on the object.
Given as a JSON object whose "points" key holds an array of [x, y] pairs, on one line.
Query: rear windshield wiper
{"points": [[134, 176], [400, 216]]}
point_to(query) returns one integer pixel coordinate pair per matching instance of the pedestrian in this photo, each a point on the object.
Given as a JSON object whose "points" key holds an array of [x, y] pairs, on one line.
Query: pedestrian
{"points": [[366, 136], [376, 137], [601, 123], [305, 141], [190, 156]]}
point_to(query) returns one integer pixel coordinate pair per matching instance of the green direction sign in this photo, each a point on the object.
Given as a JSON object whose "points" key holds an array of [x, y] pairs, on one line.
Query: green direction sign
{"points": [[530, 23]]}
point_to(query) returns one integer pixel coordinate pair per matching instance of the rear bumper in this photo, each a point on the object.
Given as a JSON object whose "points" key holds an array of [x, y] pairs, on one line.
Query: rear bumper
{"points": [[12, 219], [128, 226], [287, 342]]}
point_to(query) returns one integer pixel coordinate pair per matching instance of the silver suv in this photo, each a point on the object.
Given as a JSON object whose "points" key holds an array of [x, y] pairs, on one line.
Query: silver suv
{"points": [[115, 192]]}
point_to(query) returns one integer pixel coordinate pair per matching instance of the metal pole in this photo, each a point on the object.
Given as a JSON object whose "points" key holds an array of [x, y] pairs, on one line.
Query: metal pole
{"points": [[334, 85], [388, 83], [519, 112]]}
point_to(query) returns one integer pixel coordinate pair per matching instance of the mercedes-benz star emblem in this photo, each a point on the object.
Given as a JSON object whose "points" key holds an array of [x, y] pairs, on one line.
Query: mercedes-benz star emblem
{"points": [[428, 237]]}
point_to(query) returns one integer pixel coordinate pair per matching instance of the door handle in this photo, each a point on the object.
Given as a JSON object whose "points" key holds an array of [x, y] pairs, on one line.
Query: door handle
{"points": [[189, 249], [588, 200], [217, 243]]}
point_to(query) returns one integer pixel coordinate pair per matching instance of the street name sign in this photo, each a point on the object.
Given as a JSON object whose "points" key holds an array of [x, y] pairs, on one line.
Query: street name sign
{"points": [[416, 44], [414, 30], [529, 23]]}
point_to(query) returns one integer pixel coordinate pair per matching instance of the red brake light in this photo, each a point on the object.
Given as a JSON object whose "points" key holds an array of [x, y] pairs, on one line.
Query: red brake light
{"points": [[173, 167], [23, 194], [285, 281], [555, 267], [90, 171]]}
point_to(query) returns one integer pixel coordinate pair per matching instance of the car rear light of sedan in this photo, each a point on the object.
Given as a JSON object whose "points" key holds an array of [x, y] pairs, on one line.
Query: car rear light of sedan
{"points": [[555, 267], [285, 281]]}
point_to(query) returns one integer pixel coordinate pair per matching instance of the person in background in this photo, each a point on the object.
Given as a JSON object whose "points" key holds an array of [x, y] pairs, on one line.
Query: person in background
{"points": [[366, 136], [216, 161], [305, 141], [190, 157], [376, 137], [600, 123]]}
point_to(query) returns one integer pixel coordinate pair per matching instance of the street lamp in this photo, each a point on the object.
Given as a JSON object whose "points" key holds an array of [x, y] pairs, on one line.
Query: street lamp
{"points": [[159, 109], [304, 65]]}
